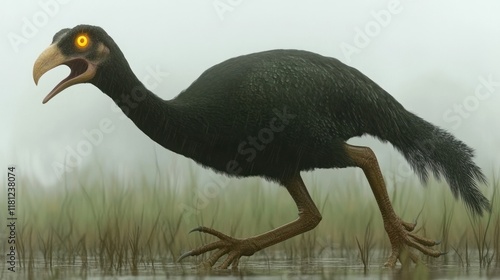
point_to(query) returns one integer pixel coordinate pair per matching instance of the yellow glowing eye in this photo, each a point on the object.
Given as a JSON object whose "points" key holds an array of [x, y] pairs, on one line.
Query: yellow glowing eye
{"points": [[82, 41]]}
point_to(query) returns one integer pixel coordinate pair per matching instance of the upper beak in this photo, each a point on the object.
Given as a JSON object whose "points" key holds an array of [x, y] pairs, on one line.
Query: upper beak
{"points": [[82, 70]]}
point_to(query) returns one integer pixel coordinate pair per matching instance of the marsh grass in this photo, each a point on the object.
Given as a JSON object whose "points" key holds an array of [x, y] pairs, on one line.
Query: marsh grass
{"points": [[482, 242], [365, 248], [118, 224]]}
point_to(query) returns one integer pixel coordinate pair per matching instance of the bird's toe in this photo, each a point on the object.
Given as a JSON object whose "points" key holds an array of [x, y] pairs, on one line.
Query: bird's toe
{"points": [[226, 245], [401, 238], [409, 226]]}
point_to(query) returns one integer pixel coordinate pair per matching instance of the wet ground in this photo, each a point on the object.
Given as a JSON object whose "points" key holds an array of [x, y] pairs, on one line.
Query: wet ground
{"points": [[321, 268]]}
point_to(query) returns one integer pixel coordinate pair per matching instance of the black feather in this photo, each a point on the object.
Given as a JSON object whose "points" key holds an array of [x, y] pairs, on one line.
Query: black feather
{"points": [[275, 113]]}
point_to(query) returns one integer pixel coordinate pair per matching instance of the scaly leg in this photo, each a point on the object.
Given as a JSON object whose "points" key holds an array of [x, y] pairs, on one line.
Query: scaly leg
{"points": [[399, 232], [309, 217]]}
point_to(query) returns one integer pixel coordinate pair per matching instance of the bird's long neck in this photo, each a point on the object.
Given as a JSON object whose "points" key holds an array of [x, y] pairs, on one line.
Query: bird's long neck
{"points": [[156, 117]]}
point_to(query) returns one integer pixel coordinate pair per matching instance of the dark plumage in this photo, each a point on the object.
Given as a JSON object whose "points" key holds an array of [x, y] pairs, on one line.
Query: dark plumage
{"points": [[276, 113]]}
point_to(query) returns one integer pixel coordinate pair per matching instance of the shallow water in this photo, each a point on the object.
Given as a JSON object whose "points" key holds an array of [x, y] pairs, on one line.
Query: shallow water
{"points": [[253, 268]]}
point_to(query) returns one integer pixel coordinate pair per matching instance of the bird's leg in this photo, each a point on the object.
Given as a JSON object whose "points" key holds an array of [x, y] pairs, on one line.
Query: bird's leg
{"points": [[309, 217], [399, 232]]}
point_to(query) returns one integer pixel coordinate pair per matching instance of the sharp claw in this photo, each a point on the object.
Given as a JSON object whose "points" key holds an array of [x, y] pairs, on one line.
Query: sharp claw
{"points": [[185, 255], [200, 229], [225, 244], [410, 239], [444, 253]]}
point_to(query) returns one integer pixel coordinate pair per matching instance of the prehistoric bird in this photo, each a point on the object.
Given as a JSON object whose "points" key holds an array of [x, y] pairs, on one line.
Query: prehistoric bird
{"points": [[274, 114]]}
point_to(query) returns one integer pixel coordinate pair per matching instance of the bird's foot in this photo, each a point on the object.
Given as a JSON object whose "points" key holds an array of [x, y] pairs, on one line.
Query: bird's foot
{"points": [[401, 236], [226, 245]]}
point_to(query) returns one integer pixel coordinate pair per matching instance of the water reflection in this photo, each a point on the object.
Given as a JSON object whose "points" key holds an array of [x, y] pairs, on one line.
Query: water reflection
{"points": [[260, 268]]}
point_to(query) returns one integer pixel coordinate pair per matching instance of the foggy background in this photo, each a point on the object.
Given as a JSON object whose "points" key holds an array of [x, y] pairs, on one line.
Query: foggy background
{"points": [[440, 59]]}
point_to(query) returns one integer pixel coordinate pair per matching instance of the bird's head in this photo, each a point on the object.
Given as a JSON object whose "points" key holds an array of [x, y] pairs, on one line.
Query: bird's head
{"points": [[84, 49]]}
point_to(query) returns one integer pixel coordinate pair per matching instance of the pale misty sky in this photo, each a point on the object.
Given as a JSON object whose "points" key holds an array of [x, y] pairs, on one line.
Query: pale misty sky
{"points": [[440, 59]]}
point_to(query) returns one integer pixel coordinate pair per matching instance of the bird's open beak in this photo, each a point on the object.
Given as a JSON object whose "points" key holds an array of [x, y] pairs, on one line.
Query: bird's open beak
{"points": [[82, 70]]}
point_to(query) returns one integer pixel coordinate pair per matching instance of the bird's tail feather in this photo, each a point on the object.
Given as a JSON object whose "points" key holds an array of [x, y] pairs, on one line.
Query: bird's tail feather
{"points": [[430, 148]]}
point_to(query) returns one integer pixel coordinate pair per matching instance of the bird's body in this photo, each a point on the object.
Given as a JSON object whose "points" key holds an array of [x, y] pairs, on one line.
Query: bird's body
{"points": [[273, 114]]}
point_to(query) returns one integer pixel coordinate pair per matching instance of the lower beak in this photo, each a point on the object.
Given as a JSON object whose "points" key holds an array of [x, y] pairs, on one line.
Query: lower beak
{"points": [[81, 69]]}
